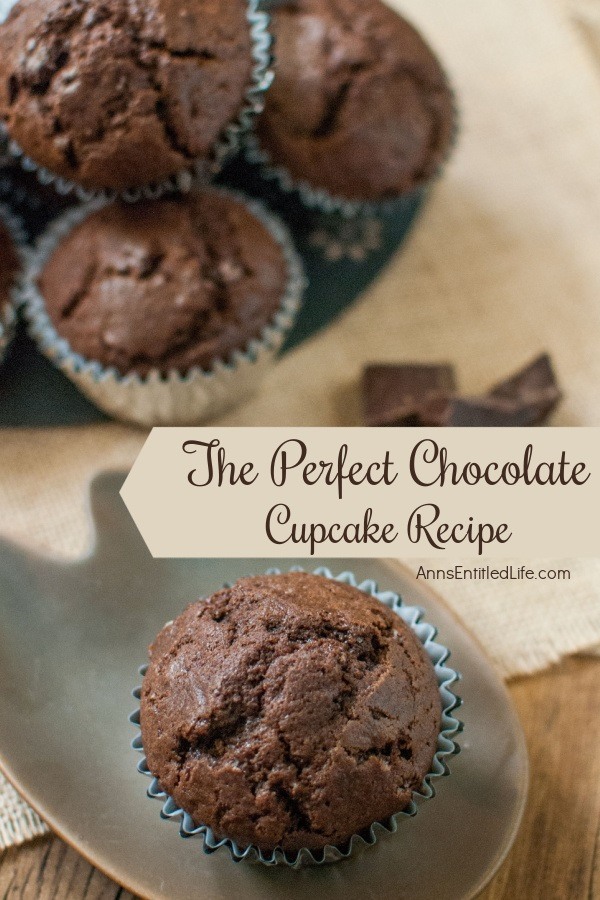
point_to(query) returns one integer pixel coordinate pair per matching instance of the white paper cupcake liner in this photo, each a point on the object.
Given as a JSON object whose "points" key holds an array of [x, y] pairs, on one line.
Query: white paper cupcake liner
{"points": [[446, 747], [175, 398], [228, 144], [8, 316], [321, 200]]}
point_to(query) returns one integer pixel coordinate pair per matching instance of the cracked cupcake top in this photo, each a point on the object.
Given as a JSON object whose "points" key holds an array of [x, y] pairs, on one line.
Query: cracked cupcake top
{"points": [[289, 710], [118, 94], [167, 284], [9, 266], [360, 106]]}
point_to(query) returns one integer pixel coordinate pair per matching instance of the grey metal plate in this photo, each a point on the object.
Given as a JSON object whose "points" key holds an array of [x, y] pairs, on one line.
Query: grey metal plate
{"points": [[71, 640]]}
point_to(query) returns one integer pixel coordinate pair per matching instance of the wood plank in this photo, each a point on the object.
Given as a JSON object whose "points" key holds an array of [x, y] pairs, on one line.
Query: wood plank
{"points": [[47, 869], [557, 852]]}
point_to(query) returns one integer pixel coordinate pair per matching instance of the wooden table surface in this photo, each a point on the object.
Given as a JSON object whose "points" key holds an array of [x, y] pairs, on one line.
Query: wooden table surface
{"points": [[556, 855]]}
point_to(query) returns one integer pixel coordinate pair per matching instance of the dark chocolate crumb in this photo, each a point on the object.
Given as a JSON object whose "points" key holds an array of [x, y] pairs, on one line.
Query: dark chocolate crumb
{"points": [[393, 394]]}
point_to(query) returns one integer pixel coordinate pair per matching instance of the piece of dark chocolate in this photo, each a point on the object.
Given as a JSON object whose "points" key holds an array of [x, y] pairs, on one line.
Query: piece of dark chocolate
{"points": [[394, 394], [490, 412], [424, 395], [534, 388], [434, 411]]}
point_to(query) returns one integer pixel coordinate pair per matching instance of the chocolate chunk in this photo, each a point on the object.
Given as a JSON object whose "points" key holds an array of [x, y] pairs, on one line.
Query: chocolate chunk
{"points": [[419, 395], [434, 411], [533, 386], [490, 412], [395, 393], [525, 399]]}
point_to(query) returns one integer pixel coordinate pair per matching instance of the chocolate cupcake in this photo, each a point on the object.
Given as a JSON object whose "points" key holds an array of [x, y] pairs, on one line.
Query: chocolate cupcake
{"points": [[289, 713], [10, 265], [171, 284], [360, 110], [164, 311], [116, 94]]}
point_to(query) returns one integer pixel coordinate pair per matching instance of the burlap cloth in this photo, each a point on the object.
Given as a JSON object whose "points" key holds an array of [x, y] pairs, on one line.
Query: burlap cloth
{"points": [[504, 262]]}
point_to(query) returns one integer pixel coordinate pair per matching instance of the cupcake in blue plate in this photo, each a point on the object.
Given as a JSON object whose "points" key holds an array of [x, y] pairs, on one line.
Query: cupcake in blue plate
{"points": [[120, 97], [164, 312], [360, 112]]}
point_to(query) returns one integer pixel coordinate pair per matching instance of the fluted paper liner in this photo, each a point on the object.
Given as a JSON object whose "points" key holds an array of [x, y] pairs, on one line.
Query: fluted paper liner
{"points": [[175, 398], [225, 147], [446, 747]]}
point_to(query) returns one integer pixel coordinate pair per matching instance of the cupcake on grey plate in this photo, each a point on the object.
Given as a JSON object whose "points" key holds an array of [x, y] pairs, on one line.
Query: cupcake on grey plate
{"points": [[289, 713], [166, 311], [10, 267], [116, 95], [360, 112]]}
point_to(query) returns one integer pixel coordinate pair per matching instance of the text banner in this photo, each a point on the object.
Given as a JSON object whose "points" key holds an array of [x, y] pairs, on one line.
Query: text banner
{"points": [[349, 492]]}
